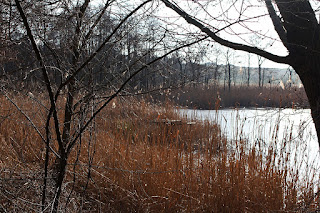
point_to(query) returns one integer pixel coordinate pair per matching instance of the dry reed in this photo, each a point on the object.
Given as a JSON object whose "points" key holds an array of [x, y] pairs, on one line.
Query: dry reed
{"points": [[137, 157]]}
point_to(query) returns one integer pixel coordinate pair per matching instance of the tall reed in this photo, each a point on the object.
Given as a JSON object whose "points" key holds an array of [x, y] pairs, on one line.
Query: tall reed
{"points": [[138, 157], [202, 97]]}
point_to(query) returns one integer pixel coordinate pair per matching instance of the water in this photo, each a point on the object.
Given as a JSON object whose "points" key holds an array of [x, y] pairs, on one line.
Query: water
{"points": [[256, 124], [277, 126]]}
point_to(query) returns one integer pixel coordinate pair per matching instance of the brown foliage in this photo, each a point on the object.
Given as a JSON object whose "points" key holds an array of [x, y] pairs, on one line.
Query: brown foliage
{"points": [[137, 157], [209, 97]]}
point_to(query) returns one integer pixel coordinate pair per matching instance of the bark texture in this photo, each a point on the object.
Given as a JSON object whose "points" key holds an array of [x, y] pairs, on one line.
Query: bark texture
{"points": [[302, 41]]}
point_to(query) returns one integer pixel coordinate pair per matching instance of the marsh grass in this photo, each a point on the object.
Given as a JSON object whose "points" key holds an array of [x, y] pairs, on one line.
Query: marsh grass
{"points": [[201, 97], [133, 159]]}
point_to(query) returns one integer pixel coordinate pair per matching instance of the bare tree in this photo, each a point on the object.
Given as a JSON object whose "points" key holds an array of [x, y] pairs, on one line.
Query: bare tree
{"points": [[216, 74], [227, 71], [81, 56], [248, 71], [297, 27], [260, 70]]}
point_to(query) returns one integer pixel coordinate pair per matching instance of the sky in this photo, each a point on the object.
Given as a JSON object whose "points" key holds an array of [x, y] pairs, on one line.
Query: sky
{"points": [[255, 29]]}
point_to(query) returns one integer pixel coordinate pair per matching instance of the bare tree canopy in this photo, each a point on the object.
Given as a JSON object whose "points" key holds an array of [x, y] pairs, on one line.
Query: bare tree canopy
{"points": [[81, 54]]}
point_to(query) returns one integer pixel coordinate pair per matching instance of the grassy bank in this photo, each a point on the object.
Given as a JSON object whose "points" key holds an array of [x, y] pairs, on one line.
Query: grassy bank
{"points": [[138, 157], [201, 97]]}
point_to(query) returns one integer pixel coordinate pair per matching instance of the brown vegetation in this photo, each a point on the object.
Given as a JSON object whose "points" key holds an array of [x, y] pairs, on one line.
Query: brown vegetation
{"points": [[212, 97], [137, 157]]}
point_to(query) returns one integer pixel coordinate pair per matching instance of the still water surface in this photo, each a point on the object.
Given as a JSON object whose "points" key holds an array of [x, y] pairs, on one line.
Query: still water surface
{"points": [[295, 126]]}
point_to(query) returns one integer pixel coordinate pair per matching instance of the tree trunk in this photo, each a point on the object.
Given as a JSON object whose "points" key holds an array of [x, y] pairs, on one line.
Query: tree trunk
{"points": [[309, 73], [62, 163], [216, 73], [229, 77], [299, 31], [260, 77], [262, 82]]}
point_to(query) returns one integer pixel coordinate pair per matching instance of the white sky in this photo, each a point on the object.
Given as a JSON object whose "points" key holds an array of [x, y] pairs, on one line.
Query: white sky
{"points": [[257, 29]]}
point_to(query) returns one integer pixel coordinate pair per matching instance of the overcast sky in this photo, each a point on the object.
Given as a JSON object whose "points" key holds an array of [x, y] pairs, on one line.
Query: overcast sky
{"points": [[256, 27]]}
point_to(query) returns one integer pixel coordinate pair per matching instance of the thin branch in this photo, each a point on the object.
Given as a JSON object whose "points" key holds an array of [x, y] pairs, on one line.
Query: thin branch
{"points": [[278, 25], [233, 45], [53, 108], [44, 72], [69, 147], [30, 121], [87, 36], [80, 15], [72, 76]]}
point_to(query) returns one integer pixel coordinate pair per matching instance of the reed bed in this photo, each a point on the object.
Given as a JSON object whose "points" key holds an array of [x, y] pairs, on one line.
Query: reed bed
{"points": [[138, 157], [201, 97]]}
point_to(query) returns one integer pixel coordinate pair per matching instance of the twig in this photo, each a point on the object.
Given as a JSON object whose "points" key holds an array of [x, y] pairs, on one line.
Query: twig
{"points": [[30, 121], [171, 190]]}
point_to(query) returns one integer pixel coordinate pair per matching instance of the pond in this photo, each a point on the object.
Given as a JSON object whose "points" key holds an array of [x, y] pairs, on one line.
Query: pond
{"points": [[277, 126]]}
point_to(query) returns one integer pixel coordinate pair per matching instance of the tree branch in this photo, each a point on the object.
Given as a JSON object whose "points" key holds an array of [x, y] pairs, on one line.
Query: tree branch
{"points": [[278, 25], [72, 76], [44, 71], [226, 43], [87, 36], [300, 22], [116, 93], [30, 121]]}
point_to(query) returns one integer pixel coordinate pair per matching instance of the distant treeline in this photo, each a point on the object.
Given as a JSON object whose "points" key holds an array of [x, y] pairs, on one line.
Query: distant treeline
{"points": [[128, 49], [19, 70]]}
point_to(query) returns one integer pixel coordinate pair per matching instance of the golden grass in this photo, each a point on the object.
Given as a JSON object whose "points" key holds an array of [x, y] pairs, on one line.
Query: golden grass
{"points": [[132, 159]]}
